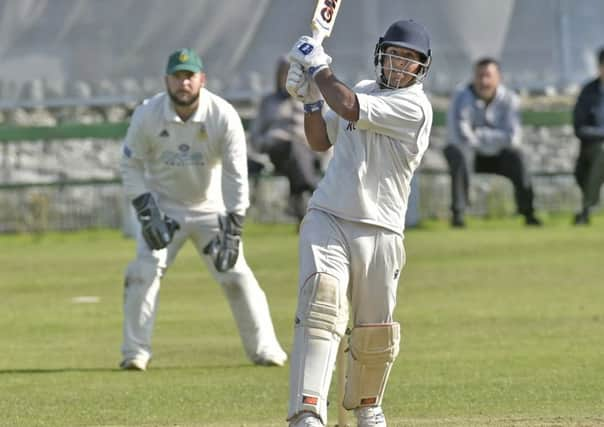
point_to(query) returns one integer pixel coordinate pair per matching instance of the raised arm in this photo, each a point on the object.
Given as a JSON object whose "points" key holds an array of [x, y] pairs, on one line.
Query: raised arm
{"points": [[301, 87], [338, 96]]}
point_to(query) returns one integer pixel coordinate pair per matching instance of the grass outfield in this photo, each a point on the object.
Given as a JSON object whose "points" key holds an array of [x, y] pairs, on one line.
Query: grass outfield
{"points": [[502, 326]]}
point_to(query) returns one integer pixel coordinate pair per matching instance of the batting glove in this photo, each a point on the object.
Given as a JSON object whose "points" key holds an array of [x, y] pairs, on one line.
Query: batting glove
{"points": [[300, 86], [296, 81], [310, 54]]}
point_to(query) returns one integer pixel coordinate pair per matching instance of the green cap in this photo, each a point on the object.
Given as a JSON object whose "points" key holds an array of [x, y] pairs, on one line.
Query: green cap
{"points": [[184, 59]]}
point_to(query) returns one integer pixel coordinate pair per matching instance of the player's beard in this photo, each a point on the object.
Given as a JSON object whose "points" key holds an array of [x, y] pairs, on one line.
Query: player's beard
{"points": [[181, 102]]}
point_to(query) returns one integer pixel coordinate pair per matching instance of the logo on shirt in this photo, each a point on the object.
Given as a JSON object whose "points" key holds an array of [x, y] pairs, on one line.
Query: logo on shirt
{"points": [[164, 133], [202, 134], [127, 151], [396, 273], [351, 126], [184, 157]]}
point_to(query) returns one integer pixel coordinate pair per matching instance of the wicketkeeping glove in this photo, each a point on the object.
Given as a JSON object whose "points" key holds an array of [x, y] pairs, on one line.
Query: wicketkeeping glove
{"points": [[224, 248], [157, 228], [300, 86], [310, 54]]}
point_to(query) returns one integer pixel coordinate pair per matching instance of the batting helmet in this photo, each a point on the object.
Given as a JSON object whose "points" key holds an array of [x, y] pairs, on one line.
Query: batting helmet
{"points": [[410, 35]]}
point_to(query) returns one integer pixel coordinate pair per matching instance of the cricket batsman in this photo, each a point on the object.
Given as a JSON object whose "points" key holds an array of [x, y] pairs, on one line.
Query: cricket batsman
{"points": [[184, 166], [351, 239]]}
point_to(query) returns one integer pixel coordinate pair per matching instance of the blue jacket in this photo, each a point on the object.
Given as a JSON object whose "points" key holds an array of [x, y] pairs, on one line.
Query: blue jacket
{"points": [[588, 115]]}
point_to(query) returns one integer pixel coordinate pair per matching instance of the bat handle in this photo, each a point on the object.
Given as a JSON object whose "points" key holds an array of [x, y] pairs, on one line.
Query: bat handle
{"points": [[341, 384], [319, 36]]}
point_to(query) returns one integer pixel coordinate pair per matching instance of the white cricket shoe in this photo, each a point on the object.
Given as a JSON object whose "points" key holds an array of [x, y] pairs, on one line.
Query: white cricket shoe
{"points": [[133, 365], [370, 416], [306, 419], [272, 357]]}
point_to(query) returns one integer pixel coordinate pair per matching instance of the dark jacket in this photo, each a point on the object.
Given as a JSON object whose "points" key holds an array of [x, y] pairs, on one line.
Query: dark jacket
{"points": [[588, 115]]}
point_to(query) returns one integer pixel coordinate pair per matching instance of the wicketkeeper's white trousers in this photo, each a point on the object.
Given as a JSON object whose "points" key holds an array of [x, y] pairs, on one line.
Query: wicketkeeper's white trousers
{"points": [[142, 283]]}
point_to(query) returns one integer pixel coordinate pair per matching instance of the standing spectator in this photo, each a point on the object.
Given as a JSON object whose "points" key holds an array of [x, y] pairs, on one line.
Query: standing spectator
{"points": [[279, 132], [484, 135], [588, 120], [184, 168]]}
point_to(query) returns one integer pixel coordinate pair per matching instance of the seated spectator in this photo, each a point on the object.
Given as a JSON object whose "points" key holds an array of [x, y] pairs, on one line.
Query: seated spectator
{"points": [[484, 135], [278, 131], [588, 120]]}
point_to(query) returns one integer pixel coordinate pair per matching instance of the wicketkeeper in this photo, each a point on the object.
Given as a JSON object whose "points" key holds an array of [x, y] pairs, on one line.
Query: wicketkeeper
{"points": [[351, 240], [184, 166]]}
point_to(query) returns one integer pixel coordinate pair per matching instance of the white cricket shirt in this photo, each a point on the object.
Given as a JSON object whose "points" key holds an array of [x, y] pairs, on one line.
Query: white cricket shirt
{"points": [[200, 164], [368, 179]]}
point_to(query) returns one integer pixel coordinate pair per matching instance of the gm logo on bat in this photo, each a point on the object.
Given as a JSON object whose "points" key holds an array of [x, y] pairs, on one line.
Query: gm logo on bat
{"points": [[327, 11], [305, 48]]}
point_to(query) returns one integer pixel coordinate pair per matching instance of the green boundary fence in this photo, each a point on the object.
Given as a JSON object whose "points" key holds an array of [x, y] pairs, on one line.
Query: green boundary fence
{"points": [[63, 131], [529, 118], [118, 130]]}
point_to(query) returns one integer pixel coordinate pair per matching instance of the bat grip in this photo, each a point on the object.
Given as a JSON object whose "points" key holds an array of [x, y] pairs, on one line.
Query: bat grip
{"points": [[318, 36]]}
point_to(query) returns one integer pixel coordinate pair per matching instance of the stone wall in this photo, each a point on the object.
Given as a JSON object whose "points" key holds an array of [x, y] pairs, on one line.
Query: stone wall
{"points": [[550, 153], [549, 150]]}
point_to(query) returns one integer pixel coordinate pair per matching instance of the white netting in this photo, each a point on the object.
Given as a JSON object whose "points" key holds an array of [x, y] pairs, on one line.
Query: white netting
{"points": [[125, 42]]}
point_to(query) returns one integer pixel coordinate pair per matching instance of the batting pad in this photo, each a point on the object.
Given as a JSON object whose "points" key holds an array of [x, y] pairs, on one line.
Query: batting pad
{"points": [[321, 321], [373, 349]]}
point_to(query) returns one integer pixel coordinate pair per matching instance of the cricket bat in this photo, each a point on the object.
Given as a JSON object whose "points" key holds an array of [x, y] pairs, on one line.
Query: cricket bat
{"points": [[341, 378], [321, 25], [324, 18]]}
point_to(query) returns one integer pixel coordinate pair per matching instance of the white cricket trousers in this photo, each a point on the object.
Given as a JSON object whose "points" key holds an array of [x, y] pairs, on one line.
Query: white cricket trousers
{"points": [[366, 262], [142, 283]]}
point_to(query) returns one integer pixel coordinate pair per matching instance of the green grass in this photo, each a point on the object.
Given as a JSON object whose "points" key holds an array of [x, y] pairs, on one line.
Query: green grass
{"points": [[502, 326]]}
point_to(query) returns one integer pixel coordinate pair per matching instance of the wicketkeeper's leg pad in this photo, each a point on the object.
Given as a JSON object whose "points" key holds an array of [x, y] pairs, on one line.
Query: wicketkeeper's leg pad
{"points": [[321, 321], [372, 351]]}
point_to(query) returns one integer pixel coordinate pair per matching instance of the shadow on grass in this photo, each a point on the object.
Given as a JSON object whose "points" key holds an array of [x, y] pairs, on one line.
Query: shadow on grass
{"points": [[160, 368]]}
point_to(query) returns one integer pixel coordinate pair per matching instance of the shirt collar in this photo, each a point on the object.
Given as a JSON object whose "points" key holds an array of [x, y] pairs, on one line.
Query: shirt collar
{"points": [[388, 90], [499, 94]]}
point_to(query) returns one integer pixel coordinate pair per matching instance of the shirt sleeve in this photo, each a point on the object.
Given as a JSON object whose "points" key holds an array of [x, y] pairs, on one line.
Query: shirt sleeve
{"points": [[332, 121], [460, 129], [235, 191], [394, 116], [583, 123], [581, 113], [135, 150]]}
